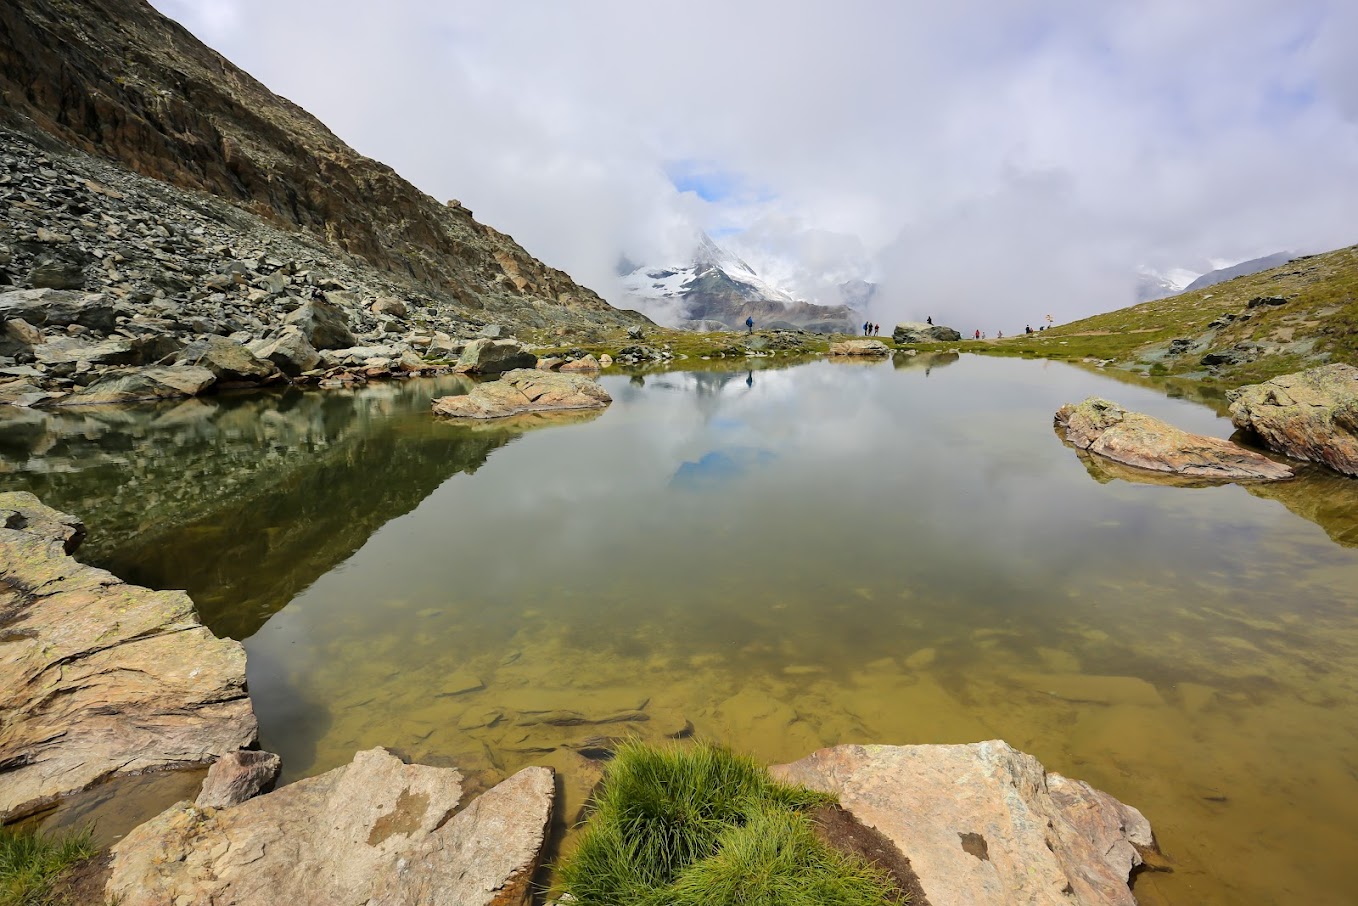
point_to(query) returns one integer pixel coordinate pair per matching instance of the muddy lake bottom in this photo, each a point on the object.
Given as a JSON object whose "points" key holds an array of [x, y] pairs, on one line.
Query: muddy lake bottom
{"points": [[779, 559]]}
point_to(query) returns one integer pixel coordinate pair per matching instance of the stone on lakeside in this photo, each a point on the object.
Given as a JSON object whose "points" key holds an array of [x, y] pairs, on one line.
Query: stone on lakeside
{"points": [[1131, 438], [1310, 415], [140, 385], [986, 824], [491, 356], [59, 308], [374, 831], [860, 348], [584, 363], [99, 678], [922, 332], [522, 391], [291, 352], [324, 324], [228, 360]]}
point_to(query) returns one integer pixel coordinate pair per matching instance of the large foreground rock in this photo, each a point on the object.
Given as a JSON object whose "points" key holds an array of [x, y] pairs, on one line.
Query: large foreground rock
{"points": [[525, 390], [375, 831], [490, 356], [1133, 439], [141, 385], [1310, 415], [921, 332], [99, 678], [986, 824], [860, 348]]}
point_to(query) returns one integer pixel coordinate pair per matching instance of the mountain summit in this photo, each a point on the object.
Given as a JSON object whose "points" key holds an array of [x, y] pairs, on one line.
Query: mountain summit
{"points": [[718, 287]]}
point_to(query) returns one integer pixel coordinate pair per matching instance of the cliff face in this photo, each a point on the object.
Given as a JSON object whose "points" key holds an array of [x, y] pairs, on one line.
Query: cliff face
{"points": [[117, 79]]}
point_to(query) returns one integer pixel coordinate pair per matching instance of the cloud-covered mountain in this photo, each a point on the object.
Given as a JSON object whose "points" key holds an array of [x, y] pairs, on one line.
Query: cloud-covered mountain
{"points": [[715, 285], [1243, 269]]}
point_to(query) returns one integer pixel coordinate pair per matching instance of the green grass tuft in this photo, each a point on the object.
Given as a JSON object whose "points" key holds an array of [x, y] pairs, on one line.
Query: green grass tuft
{"points": [[31, 862], [684, 826]]}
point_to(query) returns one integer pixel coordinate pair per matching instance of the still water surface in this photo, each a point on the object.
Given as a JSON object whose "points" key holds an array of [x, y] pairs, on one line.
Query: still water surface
{"points": [[781, 559]]}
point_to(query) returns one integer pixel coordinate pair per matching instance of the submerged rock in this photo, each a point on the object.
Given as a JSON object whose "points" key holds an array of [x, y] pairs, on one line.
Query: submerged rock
{"points": [[1310, 415], [920, 332], [1133, 439], [986, 824], [860, 347], [525, 390], [99, 678], [373, 831]]}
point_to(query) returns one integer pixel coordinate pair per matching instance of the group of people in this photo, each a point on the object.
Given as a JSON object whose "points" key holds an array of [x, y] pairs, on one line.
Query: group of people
{"points": [[871, 330]]}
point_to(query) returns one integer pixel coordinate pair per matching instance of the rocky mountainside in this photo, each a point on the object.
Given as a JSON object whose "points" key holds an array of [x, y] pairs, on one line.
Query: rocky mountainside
{"points": [[118, 81], [1243, 269], [717, 287]]}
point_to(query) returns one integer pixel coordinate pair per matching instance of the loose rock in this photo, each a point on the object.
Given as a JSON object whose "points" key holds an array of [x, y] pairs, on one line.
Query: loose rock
{"points": [[239, 776], [488, 356]]}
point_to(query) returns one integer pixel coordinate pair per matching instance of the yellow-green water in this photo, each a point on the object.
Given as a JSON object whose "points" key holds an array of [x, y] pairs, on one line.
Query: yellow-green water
{"points": [[780, 559]]}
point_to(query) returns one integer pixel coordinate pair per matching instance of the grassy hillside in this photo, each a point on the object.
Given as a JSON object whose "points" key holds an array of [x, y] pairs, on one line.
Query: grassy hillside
{"points": [[1242, 331]]}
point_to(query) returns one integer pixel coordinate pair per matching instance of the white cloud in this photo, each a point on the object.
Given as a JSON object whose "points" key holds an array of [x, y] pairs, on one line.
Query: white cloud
{"points": [[989, 161]]}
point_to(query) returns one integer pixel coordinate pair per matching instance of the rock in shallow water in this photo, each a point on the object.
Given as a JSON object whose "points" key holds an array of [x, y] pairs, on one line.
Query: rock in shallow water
{"points": [[860, 347], [1138, 440], [525, 390], [375, 831], [99, 678], [986, 824], [1310, 415]]}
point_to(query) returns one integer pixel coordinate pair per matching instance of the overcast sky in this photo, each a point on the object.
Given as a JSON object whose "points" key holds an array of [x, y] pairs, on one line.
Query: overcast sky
{"points": [[986, 161]]}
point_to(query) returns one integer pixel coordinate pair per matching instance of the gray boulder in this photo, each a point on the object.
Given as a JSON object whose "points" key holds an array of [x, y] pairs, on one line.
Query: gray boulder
{"points": [[228, 360], [373, 831], [59, 308], [984, 824], [290, 352], [57, 275], [487, 356], [324, 324], [141, 385], [523, 391], [921, 332], [389, 305]]}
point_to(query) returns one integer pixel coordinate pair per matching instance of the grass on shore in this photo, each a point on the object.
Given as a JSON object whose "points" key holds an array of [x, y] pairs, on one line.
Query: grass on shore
{"points": [[30, 863], [702, 826]]}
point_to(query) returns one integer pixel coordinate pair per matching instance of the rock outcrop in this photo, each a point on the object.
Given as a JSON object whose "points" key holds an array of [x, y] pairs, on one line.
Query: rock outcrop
{"points": [[1134, 439], [985, 824], [1310, 415], [921, 332], [99, 678], [860, 348], [523, 391], [375, 831]]}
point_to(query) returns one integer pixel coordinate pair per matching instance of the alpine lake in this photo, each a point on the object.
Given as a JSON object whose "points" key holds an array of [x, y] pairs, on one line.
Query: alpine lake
{"points": [[778, 558]]}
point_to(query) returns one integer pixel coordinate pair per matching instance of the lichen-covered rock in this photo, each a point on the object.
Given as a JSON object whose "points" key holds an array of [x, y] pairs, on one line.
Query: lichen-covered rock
{"points": [[860, 348], [922, 332], [1310, 415], [490, 356], [1134, 439], [375, 831], [99, 678], [985, 824], [522, 391]]}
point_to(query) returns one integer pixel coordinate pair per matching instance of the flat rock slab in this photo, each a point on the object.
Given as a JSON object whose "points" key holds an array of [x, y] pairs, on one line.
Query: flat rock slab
{"points": [[376, 831], [99, 678], [860, 347], [1133, 439], [523, 391], [986, 824], [1311, 415]]}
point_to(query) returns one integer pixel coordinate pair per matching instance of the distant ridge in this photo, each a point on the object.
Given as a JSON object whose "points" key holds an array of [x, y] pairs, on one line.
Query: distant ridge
{"points": [[1243, 269]]}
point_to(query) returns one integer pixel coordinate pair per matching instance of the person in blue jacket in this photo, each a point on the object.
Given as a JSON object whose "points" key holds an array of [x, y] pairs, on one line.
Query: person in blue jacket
{"points": [[749, 324]]}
